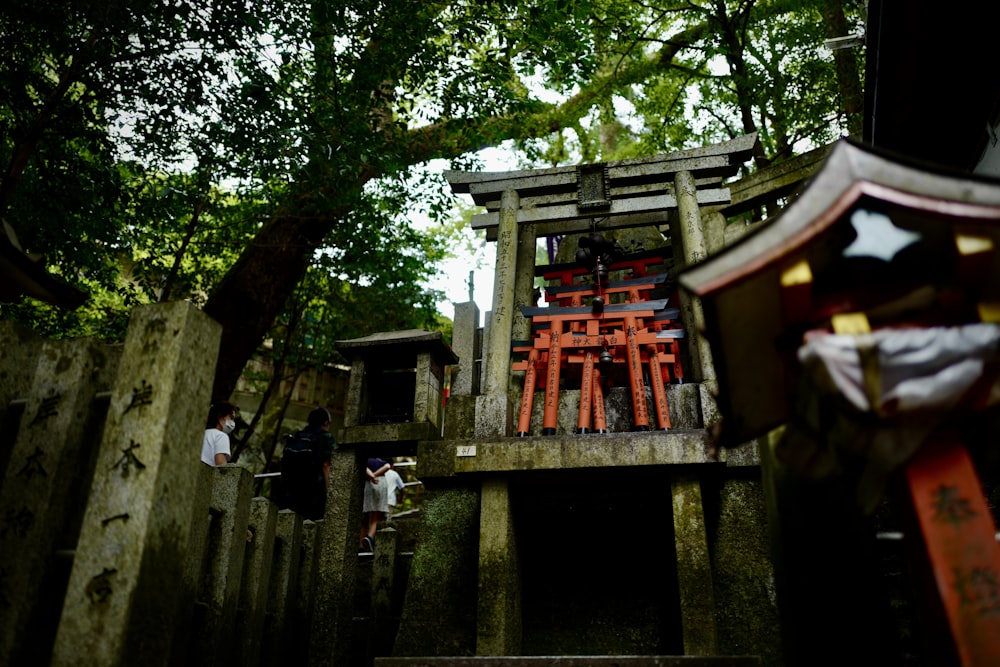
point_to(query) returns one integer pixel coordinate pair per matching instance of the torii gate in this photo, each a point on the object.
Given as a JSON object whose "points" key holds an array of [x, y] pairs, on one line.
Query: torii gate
{"points": [[525, 205]]}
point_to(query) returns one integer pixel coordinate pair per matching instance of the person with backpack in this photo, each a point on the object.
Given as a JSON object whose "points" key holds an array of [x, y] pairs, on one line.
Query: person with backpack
{"points": [[305, 467]]}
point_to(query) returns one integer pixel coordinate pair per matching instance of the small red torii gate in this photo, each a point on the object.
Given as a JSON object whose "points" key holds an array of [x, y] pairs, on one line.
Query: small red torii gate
{"points": [[639, 333], [522, 206]]}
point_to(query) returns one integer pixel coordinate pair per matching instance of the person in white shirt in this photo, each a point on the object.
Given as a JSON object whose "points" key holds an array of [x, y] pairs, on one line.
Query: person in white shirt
{"points": [[215, 447]]}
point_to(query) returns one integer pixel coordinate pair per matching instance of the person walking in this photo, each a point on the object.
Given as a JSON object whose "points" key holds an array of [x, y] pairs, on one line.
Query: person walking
{"points": [[305, 467], [376, 503]]}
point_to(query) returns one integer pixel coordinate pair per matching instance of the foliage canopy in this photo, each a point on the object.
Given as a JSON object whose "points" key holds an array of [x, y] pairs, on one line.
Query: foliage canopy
{"points": [[267, 158]]}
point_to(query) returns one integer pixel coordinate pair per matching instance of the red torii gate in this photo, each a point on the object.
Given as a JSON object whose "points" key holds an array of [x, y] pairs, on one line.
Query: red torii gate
{"points": [[640, 333], [522, 206]]}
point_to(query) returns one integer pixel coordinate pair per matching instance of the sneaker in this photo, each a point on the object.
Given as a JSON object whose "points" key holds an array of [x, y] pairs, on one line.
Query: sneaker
{"points": [[367, 546]]}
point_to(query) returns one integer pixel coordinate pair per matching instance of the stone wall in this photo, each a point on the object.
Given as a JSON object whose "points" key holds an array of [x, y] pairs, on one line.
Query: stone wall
{"points": [[118, 546]]}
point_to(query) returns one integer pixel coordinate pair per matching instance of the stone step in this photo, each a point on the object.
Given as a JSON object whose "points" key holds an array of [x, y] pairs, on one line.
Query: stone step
{"points": [[573, 661]]}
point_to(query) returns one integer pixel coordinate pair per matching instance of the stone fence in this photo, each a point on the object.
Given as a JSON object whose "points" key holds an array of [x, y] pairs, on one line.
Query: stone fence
{"points": [[117, 545]]}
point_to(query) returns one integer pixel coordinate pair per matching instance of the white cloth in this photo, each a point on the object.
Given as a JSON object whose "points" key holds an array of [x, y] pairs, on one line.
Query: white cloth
{"points": [[878, 397], [394, 484], [919, 369], [214, 442]]}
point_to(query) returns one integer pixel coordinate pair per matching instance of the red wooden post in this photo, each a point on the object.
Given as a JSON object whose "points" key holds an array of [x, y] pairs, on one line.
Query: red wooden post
{"points": [[959, 537], [635, 375], [586, 391], [550, 417], [659, 391], [600, 419], [527, 395]]}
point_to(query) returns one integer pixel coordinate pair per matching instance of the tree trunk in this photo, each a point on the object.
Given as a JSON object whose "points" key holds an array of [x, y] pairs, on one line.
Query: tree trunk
{"points": [[275, 420], [734, 33], [845, 61], [274, 385], [252, 294]]}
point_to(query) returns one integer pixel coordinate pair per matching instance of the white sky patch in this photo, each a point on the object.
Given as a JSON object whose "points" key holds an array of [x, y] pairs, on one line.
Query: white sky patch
{"points": [[454, 281], [454, 278], [626, 114]]}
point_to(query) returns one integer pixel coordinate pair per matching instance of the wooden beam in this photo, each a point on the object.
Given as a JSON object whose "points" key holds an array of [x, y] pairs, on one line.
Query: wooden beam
{"points": [[534, 184], [583, 225], [736, 152], [773, 182], [620, 207], [620, 192]]}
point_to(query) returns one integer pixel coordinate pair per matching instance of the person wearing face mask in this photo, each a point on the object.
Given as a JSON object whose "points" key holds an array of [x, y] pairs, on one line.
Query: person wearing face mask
{"points": [[215, 445]]}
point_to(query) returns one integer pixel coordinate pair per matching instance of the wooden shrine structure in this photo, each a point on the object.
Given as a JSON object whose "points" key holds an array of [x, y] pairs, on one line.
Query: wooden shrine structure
{"points": [[864, 318], [638, 332], [588, 387]]}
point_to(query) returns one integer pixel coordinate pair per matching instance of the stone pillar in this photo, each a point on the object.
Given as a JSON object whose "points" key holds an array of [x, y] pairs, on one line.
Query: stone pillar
{"points": [[254, 593], [428, 390], [484, 349], [283, 586], [715, 232], [35, 499], [694, 249], [308, 571], [383, 574], [355, 404], [464, 376], [303, 599], [466, 343], [201, 521], [524, 281], [742, 570], [499, 610], [333, 606], [232, 490], [19, 348], [694, 569], [493, 409], [714, 225], [439, 612], [121, 601]]}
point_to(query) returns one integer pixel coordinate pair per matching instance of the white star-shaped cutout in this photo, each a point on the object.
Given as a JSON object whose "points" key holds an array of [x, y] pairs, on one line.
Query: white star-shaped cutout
{"points": [[878, 237]]}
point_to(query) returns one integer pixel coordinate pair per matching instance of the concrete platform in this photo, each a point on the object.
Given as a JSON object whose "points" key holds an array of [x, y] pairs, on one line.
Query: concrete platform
{"points": [[447, 458]]}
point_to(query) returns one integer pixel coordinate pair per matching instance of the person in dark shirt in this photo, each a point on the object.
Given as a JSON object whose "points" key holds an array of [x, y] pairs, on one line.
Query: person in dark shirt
{"points": [[305, 467]]}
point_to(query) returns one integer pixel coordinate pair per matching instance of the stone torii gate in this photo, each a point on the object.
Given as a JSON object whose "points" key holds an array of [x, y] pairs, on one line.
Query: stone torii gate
{"points": [[522, 206]]}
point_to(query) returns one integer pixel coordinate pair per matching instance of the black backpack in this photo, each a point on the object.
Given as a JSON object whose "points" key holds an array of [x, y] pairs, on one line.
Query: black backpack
{"points": [[302, 473]]}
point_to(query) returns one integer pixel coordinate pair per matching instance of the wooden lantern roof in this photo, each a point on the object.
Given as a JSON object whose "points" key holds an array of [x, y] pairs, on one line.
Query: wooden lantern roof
{"points": [[398, 349], [871, 234]]}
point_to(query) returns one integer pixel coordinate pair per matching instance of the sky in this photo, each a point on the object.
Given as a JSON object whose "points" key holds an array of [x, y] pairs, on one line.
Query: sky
{"points": [[454, 279]]}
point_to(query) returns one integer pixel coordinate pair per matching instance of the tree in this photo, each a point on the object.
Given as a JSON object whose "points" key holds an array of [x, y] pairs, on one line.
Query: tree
{"points": [[291, 127]]}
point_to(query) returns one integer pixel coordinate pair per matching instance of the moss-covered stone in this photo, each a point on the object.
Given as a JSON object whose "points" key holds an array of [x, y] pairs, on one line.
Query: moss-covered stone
{"points": [[745, 590], [439, 612]]}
